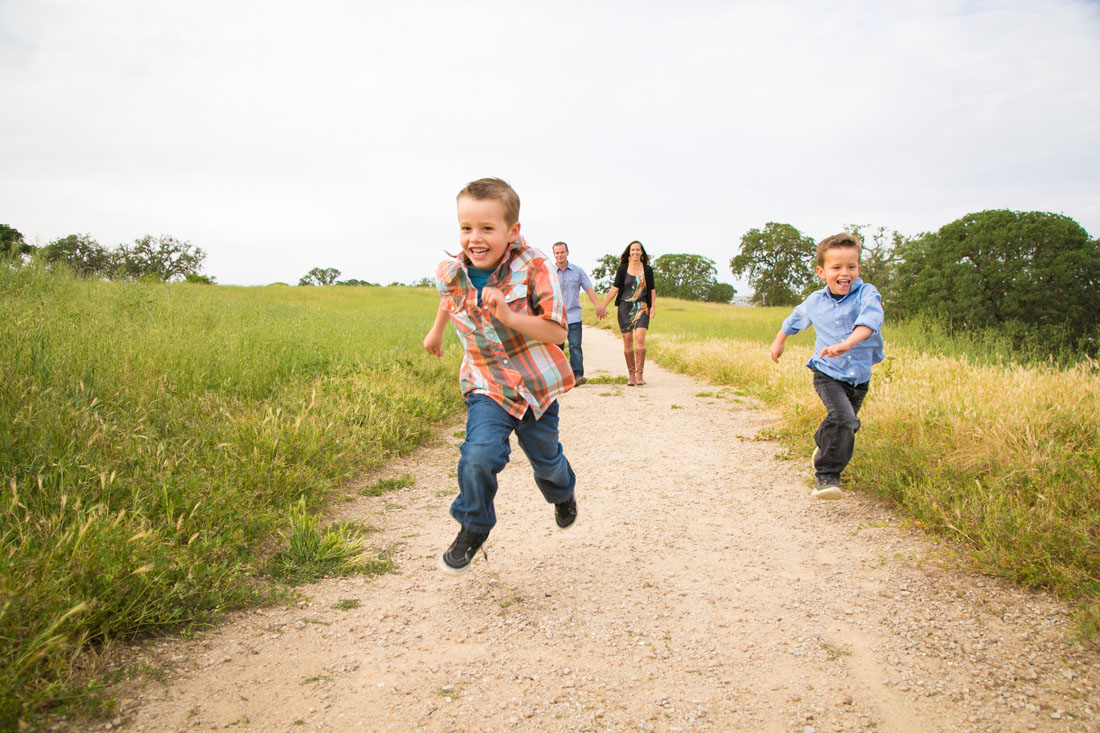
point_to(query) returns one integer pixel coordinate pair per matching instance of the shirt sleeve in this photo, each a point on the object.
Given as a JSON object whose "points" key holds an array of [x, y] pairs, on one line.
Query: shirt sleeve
{"points": [[798, 320], [870, 308], [544, 292], [586, 284]]}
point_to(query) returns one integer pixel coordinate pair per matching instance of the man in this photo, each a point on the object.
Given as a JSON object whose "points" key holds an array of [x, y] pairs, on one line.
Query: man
{"points": [[573, 281]]}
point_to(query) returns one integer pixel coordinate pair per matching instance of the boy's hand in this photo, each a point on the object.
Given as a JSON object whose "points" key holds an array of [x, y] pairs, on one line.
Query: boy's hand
{"points": [[777, 350], [433, 344], [493, 301], [835, 349], [601, 312]]}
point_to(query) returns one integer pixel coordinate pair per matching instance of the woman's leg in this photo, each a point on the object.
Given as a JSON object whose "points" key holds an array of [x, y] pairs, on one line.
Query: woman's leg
{"points": [[628, 352], [639, 353]]}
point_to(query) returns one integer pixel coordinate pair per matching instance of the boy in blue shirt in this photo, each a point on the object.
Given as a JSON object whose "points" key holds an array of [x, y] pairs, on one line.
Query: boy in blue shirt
{"points": [[847, 318]]}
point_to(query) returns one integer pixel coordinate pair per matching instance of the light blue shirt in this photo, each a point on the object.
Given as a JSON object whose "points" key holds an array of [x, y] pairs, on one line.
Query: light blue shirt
{"points": [[573, 283], [833, 321]]}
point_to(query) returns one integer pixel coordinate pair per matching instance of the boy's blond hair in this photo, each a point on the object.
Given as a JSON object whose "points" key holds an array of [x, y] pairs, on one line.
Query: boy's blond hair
{"points": [[494, 188], [844, 239]]}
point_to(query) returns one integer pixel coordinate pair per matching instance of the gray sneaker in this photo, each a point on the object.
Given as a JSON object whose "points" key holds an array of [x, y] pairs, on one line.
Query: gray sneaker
{"points": [[827, 488]]}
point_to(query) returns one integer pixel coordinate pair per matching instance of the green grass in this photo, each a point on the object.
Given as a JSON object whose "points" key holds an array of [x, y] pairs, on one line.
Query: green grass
{"points": [[165, 451], [1000, 454]]}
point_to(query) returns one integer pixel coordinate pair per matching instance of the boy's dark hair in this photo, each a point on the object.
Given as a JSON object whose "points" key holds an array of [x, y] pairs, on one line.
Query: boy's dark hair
{"points": [[494, 188], [563, 244], [626, 253], [844, 239]]}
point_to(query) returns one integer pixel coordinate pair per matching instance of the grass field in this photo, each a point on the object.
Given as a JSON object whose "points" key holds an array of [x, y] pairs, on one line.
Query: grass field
{"points": [[166, 449], [999, 456]]}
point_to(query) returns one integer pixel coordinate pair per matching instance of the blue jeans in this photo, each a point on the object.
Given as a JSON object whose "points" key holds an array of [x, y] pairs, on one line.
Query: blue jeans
{"points": [[485, 452], [576, 356], [836, 436]]}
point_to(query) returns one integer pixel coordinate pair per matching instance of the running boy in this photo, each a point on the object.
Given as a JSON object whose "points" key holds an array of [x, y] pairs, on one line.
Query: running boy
{"points": [[507, 306], [847, 318]]}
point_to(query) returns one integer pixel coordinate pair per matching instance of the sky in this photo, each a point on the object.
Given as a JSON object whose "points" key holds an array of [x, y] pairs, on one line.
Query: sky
{"points": [[279, 137]]}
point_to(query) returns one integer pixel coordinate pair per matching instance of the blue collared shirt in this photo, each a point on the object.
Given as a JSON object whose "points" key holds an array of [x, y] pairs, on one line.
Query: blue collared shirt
{"points": [[833, 321], [573, 282]]}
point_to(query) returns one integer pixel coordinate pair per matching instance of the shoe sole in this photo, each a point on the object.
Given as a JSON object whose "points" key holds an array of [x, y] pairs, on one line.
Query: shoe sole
{"points": [[453, 571], [568, 526], [829, 492]]}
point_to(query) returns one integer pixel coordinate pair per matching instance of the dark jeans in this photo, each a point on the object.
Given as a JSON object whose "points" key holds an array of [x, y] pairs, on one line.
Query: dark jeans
{"points": [[576, 356], [836, 436], [485, 453]]}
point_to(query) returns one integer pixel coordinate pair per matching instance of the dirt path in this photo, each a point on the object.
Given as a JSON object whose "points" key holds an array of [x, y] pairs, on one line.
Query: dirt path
{"points": [[702, 589]]}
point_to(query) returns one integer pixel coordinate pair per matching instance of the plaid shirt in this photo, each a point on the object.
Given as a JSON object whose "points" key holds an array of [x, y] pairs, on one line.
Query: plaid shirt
{"points": [[513, 370]]}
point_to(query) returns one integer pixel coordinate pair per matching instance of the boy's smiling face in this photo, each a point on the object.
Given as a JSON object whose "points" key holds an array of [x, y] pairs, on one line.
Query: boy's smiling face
{"points": [[840, 269], [483, 233]]}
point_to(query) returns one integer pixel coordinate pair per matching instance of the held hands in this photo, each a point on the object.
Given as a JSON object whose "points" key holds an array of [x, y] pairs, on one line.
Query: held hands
{"points": [[601, 312]]}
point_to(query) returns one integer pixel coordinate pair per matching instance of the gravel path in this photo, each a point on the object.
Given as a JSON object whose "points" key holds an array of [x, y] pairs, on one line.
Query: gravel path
{"points": [[701, 589]]}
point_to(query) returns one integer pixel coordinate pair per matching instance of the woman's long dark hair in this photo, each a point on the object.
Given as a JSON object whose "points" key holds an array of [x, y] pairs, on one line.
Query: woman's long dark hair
{"points": [[626, 253]]}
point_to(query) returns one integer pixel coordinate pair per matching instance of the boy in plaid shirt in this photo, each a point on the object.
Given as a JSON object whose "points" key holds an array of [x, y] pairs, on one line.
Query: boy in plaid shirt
{"points": [[507, 306]]}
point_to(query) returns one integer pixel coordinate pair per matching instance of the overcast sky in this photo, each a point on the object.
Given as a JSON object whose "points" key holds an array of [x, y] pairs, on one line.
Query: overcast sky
{"points": [[280, 137]]}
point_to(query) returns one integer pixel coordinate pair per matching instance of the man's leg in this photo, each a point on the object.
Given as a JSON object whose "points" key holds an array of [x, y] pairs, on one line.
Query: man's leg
{"points": [[576, 357]]}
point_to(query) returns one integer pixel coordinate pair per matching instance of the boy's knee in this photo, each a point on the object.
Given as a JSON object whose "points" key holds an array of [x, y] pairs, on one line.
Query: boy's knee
{"points": [[492, 457]]}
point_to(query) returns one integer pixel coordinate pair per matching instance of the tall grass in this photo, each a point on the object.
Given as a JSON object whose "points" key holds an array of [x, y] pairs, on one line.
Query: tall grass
{"points": [[155, 439], [1003, 457]]}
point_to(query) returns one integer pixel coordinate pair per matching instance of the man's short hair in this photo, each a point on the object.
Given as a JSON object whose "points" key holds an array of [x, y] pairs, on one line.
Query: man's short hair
{"points": [[563, 244], [494, 188], [844, 239]]}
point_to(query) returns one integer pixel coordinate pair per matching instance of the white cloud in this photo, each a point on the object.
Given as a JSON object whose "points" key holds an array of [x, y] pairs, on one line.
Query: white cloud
{"points": [[336, 134]]}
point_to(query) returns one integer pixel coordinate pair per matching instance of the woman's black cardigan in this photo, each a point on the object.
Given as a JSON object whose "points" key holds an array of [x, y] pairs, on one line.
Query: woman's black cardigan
{"points": [[620, 283]]}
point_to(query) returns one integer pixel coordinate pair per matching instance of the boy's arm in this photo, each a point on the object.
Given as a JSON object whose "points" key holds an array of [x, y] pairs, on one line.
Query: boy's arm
{"points": [[777, 346], [433, 342], [601, 312], [859, 333], [534, 327]]}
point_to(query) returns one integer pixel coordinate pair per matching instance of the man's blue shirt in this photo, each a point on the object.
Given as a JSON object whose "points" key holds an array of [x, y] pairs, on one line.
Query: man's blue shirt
{"points": [[833, 321], [573, 282]]}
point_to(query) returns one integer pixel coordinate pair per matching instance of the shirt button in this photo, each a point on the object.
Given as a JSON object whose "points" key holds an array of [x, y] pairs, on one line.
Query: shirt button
{"points": [[504, 362], [838, 323]]}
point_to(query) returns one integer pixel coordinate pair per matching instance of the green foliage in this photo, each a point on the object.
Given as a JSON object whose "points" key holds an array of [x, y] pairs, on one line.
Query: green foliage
{"points": [[778, 263], [320, 276], [12, 244], [603, 274], [311, 552], [351, 282], [196, 279], [1032, 275], [691, 277], [157, 258], [878, 256], [155, 437], [720, 293], [84, 255]]}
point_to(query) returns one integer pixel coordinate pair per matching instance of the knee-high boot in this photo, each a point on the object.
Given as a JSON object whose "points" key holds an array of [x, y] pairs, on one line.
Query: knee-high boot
{"points": [[629, 354], [639, 364]]}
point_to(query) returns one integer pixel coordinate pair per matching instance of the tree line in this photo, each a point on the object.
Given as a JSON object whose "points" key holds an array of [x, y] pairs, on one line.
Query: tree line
{"points": [[159, 258]]}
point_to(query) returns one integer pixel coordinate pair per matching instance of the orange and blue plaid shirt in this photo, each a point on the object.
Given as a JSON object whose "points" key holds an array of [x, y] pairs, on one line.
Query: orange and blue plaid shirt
{"points": [[513, 370]]}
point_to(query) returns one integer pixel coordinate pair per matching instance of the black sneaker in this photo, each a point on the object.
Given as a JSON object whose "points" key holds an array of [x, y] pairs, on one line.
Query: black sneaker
{"points": [[456, 560], [565, 513]]}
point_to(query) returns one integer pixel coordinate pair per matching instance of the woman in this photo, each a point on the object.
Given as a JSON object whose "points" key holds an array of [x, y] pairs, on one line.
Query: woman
{"points": [[636, 297]]}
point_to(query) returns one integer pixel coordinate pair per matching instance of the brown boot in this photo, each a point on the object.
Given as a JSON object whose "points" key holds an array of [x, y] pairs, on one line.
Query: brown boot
{"points": [[629, 367], [639, 360]]}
